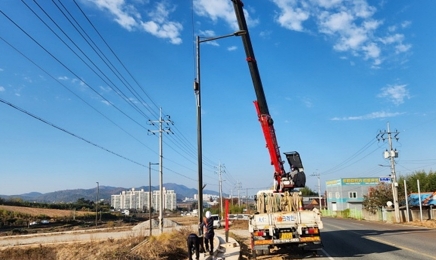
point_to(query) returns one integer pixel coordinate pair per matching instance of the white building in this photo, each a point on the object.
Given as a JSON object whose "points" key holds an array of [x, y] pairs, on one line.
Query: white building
{"points": [[139, 200]]}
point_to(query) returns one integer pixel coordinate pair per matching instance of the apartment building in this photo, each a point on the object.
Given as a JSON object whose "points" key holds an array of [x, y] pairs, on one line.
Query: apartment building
{"points": [[139, 200]]}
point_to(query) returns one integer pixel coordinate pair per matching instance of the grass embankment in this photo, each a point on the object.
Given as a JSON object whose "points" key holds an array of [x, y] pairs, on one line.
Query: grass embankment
{"points": [[168, 246]]}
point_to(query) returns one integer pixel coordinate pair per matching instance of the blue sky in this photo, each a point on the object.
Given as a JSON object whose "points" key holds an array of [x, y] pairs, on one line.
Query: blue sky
{"points": [[77, 101]]}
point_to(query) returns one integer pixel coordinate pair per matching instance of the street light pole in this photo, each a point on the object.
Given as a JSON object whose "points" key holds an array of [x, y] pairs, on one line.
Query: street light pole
{"points": [[150, 194], [96, 204], [199, 133]]}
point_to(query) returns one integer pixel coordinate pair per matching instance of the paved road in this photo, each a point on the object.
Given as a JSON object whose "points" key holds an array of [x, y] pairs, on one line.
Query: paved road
{"points": [[350, 239]]}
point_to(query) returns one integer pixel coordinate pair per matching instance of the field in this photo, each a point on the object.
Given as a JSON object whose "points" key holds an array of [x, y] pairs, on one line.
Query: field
{"points": [[48, 212]]}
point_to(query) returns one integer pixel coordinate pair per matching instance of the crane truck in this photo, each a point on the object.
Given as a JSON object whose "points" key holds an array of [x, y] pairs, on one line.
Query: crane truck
{"points": [[279, 221]]}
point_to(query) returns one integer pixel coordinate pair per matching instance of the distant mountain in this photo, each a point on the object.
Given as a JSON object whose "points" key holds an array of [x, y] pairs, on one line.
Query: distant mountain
{"points": [[105, 193]]}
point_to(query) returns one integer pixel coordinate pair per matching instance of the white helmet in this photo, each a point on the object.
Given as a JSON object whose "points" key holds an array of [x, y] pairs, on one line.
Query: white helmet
{"points": [[207, 214]]}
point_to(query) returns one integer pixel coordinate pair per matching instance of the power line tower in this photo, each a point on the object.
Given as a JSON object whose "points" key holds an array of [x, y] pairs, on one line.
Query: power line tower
{"points": [[391, 154], [161, 130]]}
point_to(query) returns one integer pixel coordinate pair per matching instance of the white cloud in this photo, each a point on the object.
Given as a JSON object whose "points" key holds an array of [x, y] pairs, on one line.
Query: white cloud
{"points": [[292, 14], [220, 10], [105, 102], [128, 16], [160, 26], [395, 94], [327, 3], [350, 24], [406, 24], [123, 13], [62, 78], [232, 48], [307, 102], [2, 89], [374, 115]]}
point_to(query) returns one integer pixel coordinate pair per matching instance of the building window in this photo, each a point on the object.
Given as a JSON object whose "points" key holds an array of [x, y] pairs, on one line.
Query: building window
{"points": [[352, 195]]}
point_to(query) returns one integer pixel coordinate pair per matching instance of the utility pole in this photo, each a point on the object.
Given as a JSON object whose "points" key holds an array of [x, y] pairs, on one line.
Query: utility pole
{"points": [[220, 170], [161, 130], [149, 195], [96, 204], [239, 198], [319, 189], [391, 154]]}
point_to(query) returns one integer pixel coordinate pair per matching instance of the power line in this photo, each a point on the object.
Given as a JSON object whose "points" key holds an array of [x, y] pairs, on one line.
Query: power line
{"points": [[68, 132]]}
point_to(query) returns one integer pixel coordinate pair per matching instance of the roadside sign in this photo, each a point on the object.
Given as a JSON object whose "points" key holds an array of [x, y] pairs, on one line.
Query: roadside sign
{"points": [[385, 179]]}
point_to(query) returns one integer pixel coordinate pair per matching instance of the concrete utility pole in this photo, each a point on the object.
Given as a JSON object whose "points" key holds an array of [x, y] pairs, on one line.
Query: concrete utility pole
{"points": [[239, 198], [150, 194], [160, 131], [319, 189], [391, 155], [220, 170], [96, 204]]}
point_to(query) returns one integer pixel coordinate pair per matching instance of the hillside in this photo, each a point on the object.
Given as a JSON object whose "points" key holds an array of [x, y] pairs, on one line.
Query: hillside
{"points": [[105, 193]]}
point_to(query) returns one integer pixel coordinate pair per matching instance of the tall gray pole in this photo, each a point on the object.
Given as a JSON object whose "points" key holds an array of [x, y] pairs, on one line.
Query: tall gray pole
{"points": [[419, 199], [394, 178], [96, 204], [319, 189], [150, 195], [221, 191], [160, 175], [197, 87], [319, 192], [239, 198], [161, 195], [407, 201]]}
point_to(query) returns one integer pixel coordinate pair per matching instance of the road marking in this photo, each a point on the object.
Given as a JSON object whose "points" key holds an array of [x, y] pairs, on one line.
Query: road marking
{"points": [[325, 252], [402, 247]]}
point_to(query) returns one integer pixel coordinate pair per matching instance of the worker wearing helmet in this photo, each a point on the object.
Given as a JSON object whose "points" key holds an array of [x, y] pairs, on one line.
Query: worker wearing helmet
{"points": [[208, 232]]}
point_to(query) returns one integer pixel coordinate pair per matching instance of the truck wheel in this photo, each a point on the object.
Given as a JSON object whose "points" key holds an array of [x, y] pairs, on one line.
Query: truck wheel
{"points": [[266, 252], [259, 252]]}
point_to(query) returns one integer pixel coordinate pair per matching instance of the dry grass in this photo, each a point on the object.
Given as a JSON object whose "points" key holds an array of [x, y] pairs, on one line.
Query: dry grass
{"points": [[48, 212], [431, 223], [185, 221], [167, 246]]}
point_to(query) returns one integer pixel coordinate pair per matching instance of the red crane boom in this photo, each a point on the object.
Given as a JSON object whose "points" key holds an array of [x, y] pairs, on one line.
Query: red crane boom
{"points": [[283, 181]]}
